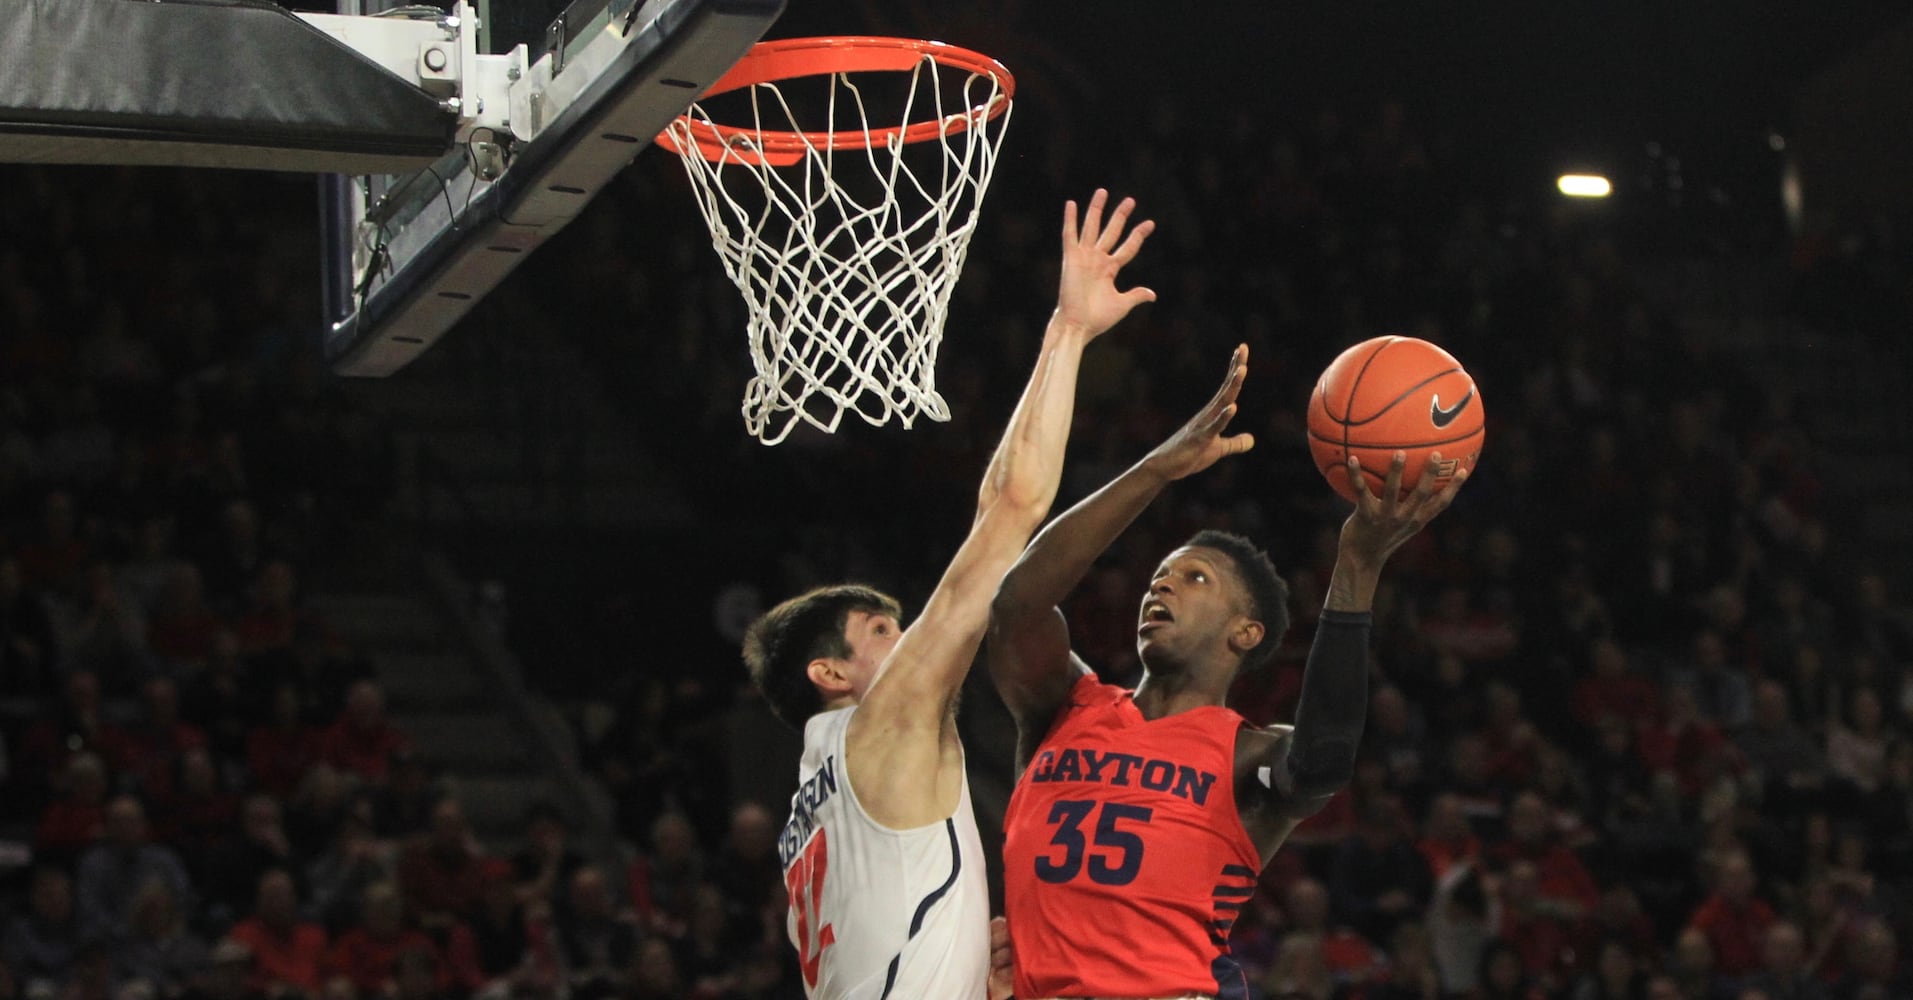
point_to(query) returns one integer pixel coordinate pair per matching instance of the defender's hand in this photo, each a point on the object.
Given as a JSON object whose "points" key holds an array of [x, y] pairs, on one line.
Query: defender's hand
{"points": [[1199, 443], [1379, 525], [1002, 978], [1091, 257]]}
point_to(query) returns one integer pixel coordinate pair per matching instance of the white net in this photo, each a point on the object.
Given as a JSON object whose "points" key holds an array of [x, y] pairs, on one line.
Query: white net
{"points": [[847, 257]]}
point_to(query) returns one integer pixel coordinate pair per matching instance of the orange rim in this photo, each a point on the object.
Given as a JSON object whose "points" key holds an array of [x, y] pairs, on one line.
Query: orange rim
{"points": [[791, 58]]}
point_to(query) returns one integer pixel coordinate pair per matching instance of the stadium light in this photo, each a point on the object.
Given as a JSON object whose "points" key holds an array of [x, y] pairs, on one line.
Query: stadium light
{"points": [[1584, 186]]}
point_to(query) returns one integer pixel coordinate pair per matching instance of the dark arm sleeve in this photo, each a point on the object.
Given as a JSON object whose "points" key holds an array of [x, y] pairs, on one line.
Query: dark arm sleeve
{"points": [[1328, 720]]}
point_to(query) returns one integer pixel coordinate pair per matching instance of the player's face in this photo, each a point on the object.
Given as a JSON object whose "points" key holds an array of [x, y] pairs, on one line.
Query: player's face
{"points": [[1192, 603], [871, 636]]}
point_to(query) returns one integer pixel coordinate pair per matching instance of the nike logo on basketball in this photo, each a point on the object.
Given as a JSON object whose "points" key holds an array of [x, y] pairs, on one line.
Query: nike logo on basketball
{"points": [[1443, 418]]}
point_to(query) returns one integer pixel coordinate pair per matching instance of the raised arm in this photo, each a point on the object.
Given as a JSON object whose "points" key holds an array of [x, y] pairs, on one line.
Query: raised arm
{"points": [[1296, 776], [916, 691], [1029, 655]]}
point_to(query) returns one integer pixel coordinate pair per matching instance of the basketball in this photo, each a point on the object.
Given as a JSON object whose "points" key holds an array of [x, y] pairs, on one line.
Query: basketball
{"points": [[1394, 394]]}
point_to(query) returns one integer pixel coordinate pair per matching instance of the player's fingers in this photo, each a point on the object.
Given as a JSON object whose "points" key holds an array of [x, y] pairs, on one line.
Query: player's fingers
{"points": [[1133, 245], [1392, 486], [1117, 220], [1447, 494], [1225, 396], [1093, 217], [1358, 484], [1137, 296], [1238, 370], [1069, 223], [1425, 484], [1239, 443]]}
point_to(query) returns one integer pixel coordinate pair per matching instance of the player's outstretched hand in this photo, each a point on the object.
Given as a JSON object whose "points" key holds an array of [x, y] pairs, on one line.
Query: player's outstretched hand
{"points": [[1092, 254], [1002, 977], [1379, 525], [1199, 443]]}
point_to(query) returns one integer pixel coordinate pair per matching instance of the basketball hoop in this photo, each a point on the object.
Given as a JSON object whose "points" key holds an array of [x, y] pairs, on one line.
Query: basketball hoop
{"points": [[846, 247]]}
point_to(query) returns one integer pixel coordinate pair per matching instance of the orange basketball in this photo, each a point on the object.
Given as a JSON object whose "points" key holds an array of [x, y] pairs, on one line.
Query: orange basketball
{"points": [[1394, 394]]}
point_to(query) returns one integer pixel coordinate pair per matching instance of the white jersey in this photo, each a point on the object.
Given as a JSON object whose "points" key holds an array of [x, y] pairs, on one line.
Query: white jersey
{"points": [[876, 912]]}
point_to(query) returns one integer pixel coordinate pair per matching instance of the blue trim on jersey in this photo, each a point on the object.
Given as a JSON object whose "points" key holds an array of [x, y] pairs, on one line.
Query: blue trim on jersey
{"points": [[923, 908], [1231, 982]]}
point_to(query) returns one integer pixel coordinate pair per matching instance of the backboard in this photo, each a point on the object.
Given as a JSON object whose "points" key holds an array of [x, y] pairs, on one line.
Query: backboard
{"points": [[407, 255]]}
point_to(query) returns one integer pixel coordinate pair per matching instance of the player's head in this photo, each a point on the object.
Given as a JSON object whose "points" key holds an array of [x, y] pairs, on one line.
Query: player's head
{"points": [[1215, 599], [821, 648]]}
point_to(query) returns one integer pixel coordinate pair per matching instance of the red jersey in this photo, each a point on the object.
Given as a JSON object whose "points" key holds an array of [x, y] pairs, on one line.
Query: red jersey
{"points": [[1125, 863]]}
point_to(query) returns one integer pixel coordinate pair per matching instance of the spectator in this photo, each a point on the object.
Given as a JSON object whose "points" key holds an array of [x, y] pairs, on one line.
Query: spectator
{"points": [[1683, 744], [220, 699], [1874, 969], [183, 626], [161, 952], [747, 868], [654, 975], [499, 929], [52, 561], [1719, 688], [367, 955], [288, 954], [1540, 930], [1611, 687], [275, 618], [416, 976], [440, 870], [1379, 878], [1447, 839], [29, 653], [41, 945], [663, 882], [362, 742], [1733, 920], [351, 865], [236, 556], [1411, 968], [1350, 959], [101, 630], [1462, 920], [1783, 971], [1616, 975], [195, 820], [1503, 977], [1396, 736], [280, 753], [403, 804], [1619, 918], [598, 943], [115, 869], [149, 751], [547, 861], [260, 847], [227, 977], [1299, 973], [74, 822], [1856, 751], [1563, 885], [77, 726], [1780, 754]]}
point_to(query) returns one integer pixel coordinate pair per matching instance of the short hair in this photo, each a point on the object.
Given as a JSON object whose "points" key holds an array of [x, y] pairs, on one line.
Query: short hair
{"points": [[1268, 596], [779, 647]]}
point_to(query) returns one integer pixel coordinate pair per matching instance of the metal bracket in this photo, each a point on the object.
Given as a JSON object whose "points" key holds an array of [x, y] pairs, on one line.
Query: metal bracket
{"points": [[555, 39]]}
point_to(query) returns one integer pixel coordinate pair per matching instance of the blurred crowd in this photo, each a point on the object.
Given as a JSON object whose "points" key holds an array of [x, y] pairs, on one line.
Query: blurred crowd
{"points": [[1640, 720]]}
